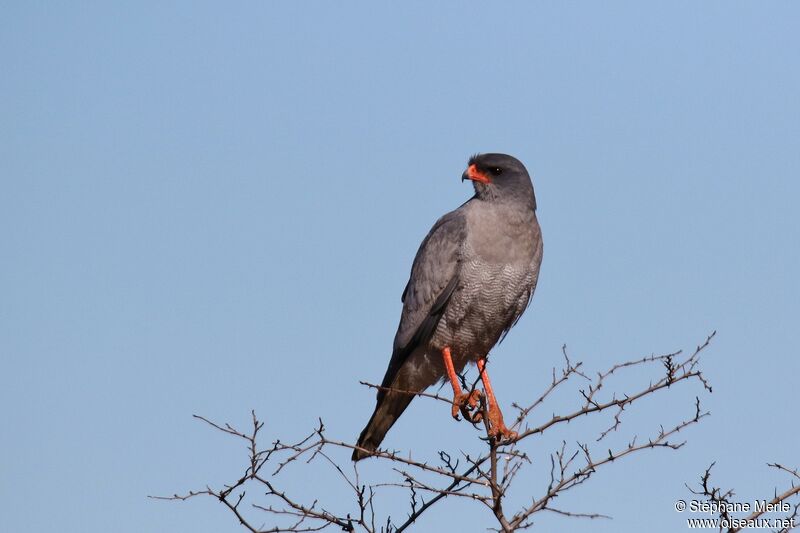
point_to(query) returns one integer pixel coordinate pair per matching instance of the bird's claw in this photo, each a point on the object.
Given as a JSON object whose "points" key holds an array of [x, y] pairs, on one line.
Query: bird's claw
{"points": [[503, 435], [467, 403], [497, 427]]}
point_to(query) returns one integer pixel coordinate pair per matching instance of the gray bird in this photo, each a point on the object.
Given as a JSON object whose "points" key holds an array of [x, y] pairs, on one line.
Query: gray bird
{"points": [[472, 278]]}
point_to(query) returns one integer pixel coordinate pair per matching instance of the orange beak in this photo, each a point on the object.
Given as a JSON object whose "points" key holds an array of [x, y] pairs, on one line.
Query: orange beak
{"points": [[474, 174]]}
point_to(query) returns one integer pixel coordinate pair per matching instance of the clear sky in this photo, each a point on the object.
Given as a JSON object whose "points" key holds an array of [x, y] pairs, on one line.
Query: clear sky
{"points": [[213, 207]]}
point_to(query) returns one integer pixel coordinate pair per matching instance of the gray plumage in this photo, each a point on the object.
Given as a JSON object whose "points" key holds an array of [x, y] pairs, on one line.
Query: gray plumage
{"points": [[472, 278]]}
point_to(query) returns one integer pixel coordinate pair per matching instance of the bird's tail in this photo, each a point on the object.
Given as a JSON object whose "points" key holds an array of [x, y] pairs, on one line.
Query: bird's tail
{"points": [[389, 408]]}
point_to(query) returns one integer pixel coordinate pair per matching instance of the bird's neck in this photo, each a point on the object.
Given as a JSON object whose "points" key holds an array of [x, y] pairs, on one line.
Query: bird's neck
{"points": [[493, 196]]}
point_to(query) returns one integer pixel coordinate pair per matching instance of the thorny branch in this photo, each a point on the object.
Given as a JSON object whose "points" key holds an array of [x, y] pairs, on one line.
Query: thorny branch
{"points": [[723, 504], [486, 478]]}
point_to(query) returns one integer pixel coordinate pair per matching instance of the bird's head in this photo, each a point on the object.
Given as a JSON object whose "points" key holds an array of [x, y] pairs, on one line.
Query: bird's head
{"points": [[499, 176]]}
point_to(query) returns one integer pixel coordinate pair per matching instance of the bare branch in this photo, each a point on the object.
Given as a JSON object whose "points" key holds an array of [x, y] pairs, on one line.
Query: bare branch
{"points": [[485, 478], [724, 505]]}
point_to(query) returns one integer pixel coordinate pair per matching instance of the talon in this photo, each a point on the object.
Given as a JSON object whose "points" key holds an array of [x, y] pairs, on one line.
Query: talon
{"points": [[497, 427], [467, 403]]}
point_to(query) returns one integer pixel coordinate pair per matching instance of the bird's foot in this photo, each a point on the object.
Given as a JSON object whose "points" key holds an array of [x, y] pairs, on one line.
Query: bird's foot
{"points": [[467, 403], [497, 427]]}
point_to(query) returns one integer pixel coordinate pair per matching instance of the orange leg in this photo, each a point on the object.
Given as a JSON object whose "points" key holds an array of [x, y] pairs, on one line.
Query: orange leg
{"points": [[463, 401], [497, 427]]}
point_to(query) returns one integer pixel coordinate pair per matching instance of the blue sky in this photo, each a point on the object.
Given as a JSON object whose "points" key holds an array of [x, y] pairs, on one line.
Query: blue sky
{"points": [[210, 208]]}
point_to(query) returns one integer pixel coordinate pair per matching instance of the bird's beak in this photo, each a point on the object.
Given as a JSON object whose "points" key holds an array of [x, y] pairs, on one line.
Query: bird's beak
{"points": [[472, 173]]}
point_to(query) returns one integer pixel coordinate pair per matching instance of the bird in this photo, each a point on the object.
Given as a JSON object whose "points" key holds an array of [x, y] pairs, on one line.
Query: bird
{"points": [[472, 279]]}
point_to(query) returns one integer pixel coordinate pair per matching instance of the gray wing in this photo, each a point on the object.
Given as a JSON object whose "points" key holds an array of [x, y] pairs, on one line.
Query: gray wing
{"points": [[434, 277]]}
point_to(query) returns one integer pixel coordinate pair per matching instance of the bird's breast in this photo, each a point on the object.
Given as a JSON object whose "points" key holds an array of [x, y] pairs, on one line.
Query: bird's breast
{"points": [[488, 298], [499, 264]]}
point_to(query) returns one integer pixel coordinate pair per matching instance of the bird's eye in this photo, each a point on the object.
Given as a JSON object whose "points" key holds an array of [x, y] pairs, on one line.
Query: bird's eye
{"points": [[496, 171]]}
